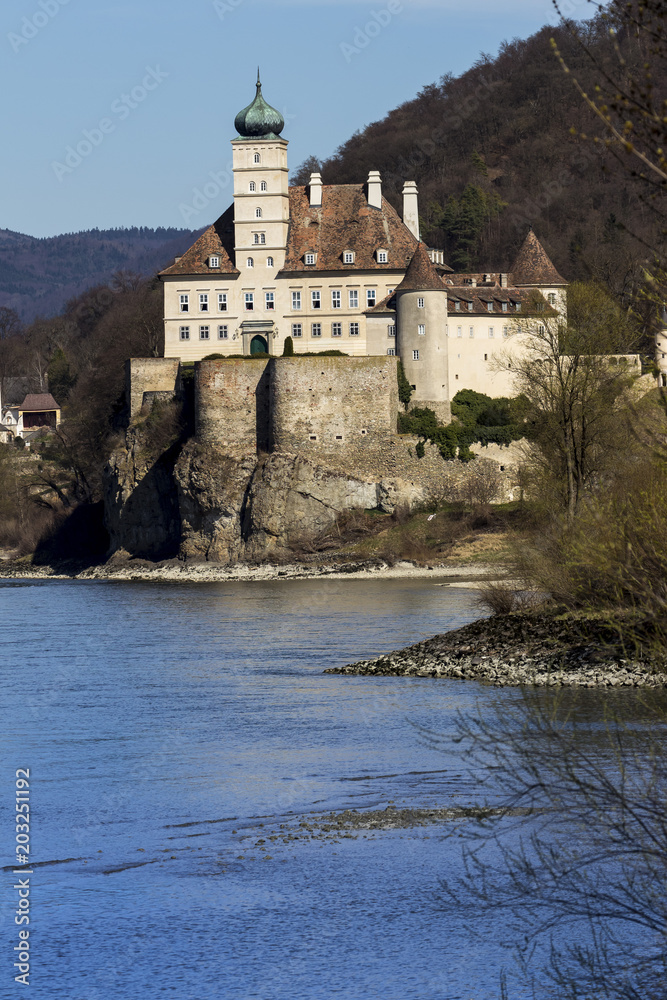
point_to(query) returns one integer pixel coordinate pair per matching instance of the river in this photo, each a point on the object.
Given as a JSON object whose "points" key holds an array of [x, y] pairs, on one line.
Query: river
{"points": [[170, 730]]}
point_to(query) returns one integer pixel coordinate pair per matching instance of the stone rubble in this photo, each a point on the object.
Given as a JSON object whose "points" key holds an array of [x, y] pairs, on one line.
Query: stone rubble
{"points": [[528, 648]]}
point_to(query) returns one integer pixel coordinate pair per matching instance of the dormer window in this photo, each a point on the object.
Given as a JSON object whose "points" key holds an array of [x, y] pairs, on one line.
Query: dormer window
{"points": [[214, 262], [382, 256], [263, 186], [457, 306], [470, 307], [348, 257], [517, 307], [503, 306], [309, 258], [489, 307], [252, 186], [257, 158]]}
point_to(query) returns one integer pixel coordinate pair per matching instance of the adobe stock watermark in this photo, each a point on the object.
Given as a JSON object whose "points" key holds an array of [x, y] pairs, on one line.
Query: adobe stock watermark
{"points": [[31, 26], [121, 108], [206, 193], [363, 36], [224, 7]]}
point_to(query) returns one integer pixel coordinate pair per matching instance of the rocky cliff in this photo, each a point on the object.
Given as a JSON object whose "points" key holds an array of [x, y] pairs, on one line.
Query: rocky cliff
{"points": [[195, 501]]}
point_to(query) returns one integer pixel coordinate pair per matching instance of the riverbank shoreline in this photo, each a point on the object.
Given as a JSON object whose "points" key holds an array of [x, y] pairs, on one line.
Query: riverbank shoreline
{"points": [[539, 648], [173, 572]]}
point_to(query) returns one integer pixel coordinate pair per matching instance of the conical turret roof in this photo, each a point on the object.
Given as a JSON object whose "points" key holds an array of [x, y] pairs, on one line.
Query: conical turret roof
{"points": [[259, 120], [421, 275], [533, 266]]}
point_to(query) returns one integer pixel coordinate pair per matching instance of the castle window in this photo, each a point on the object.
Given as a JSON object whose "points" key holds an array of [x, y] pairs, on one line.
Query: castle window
{"points": [[486, 357], [257, 158], [269, 300], [316, 330], [336, 329], [382, 256], [222, 302], [258, 213], [391, 351], [263, 186], [214, 262], [354, 329], [420, 303], [353, 298], [459, 331], [339, 437], [506, 331], [249, 301], [471, 331], [313, 437], [552, 298], [223, 332], [203, 303], [259, 238], [348, 257], [316, 299], [184, 301], [184, 332], [470, 307], [421, 330], [491, 332], [540, 330], [252, 186], [415, 355], [391, 330], [297, 330], [309, 258], [250, 262], [269, 261], [204, 332], [335, 299], [296, 300], [370, 297]]}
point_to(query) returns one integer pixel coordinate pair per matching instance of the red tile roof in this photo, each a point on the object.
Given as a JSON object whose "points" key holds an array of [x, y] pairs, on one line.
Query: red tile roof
{"points": [[218, 240], [421, 275], [345, 221], [532, 265], [38, 403]]}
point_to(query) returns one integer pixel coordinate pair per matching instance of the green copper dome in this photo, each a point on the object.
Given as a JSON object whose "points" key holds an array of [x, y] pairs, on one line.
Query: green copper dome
{"points": [[259, 120]]}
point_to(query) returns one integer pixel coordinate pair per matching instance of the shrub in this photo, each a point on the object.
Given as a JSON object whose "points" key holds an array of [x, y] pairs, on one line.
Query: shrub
{"points": [[288, 349], [404, 388]]}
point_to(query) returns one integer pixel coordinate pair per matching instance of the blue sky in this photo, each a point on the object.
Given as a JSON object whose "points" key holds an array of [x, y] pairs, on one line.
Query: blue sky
{"points": [[148, 91]]}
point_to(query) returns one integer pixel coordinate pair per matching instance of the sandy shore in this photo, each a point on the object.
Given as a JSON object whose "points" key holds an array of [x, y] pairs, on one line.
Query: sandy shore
{"points": [[173, 572]]}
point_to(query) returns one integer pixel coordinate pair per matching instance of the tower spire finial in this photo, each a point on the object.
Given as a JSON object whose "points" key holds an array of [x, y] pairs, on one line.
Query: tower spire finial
{"points": [[259, 82]]}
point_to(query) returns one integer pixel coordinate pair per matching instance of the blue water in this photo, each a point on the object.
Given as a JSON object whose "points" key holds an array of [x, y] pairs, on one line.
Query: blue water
{"points": [[162, 724]]}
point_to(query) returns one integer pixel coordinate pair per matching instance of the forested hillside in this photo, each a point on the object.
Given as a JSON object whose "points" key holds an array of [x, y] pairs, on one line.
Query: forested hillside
{"points": [[38, 276], [494, 151]]}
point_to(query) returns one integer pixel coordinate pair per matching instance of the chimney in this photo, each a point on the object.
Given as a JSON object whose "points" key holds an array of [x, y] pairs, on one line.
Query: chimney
{"points": [[176, 260], [374, 189], [315, 188], [411, 208], [503, 281]]}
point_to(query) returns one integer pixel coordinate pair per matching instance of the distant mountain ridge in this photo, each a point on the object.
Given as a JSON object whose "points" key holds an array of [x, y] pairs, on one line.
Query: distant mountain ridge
{"points": [[38, 276]]}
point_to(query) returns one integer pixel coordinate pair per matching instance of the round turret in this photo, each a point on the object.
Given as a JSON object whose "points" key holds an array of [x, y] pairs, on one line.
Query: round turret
{"points": [[259, 120]]}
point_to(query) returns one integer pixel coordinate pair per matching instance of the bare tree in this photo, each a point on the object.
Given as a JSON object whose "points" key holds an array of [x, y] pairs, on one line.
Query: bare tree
{"points": [[573, 858]]}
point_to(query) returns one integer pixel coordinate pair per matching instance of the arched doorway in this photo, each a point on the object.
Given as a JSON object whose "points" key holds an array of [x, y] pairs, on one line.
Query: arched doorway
{"points": [[258, 345]]}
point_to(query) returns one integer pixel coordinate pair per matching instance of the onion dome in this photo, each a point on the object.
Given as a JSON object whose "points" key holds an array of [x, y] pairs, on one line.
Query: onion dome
{"points": [[259, 120]]}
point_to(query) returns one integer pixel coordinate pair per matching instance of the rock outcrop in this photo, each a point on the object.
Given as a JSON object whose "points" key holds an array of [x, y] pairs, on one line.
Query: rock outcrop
{"points": [[199, 503]]}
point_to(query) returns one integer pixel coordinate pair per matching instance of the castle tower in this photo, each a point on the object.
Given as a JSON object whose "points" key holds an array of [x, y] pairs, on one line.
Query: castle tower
{"points": [[533, 269], [261, 196], [421, 306]]}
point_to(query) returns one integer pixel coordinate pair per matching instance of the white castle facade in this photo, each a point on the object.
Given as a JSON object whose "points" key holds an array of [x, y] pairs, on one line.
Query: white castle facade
{"points": [[336, 267]]}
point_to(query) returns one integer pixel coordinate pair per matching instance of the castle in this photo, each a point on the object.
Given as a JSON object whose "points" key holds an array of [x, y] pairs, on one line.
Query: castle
{"points": [[334, 266]]}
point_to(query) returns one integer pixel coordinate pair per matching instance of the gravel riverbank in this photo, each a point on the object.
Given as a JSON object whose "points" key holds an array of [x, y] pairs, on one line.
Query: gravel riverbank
{"points": [[534, 648]]}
